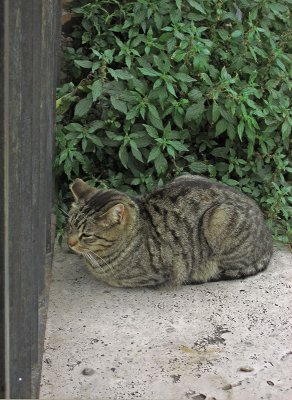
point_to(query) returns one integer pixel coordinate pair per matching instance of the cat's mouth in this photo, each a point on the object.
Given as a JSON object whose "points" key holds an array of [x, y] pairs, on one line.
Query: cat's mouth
{"points": [[78, 249], [74, 245]]}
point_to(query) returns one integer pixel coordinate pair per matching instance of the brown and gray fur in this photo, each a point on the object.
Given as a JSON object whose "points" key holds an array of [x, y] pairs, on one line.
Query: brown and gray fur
{"points": [[189, 231]]}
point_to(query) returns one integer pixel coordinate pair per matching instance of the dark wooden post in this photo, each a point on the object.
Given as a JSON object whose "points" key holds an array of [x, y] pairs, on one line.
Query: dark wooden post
{"points": [[29, 47]]}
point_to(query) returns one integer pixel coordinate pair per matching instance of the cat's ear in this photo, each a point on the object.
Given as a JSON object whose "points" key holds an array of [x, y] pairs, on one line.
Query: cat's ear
{"points": [[115, 214], [81, 191]]}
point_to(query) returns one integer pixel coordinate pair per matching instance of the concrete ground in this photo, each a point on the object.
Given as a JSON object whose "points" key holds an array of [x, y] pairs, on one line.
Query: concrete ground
{"points": [[222, 340]]}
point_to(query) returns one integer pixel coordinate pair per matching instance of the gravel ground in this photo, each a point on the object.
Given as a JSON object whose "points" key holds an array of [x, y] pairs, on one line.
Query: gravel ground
{"points": [[220, 340]]}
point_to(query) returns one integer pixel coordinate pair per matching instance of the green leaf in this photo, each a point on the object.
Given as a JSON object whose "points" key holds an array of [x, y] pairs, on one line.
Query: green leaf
{"points": [[181, 76], [120, 73], [230, 182], [167, 29], [157, 83], [160, 164], [194, 111], [286, 130], [236, 34], [170, 88], [151, 131], [132, 113], [178, 119], [178, 145], [68, 168], [179, 55], [280, 64], [83, 63], [74, 127], [197, 6], [158, 20], [131, 97], [139, 85], [124, 156], [135, 151], [227, 115], [221, 127], [129, 60], [154, 117], [84, 144], [95, 66], [198, 167], [220, 152], [231, 131], [250, 149], [78, 156], [170, 135], [83, 106], [149, 71], [170, 151], [253, 13], [215, 112], [240, 129], [154, 153], [142, 111], [142, 140], [206, 79], [63, 156], [96, 89], [223, 34], [94, 125], [195, 95], [96, 140], [119, 104]]}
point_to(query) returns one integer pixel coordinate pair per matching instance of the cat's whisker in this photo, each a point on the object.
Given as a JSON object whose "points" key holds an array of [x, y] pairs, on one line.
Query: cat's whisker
{"points": [[108, 265], [90, 258], [63, 211]]}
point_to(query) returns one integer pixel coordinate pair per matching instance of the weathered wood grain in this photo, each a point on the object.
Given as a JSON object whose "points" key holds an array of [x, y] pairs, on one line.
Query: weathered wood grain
{"points": [[29, 37]]}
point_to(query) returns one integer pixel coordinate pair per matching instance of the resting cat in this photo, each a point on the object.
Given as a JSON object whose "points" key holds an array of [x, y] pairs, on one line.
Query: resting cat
{"points": [[189, 231]]}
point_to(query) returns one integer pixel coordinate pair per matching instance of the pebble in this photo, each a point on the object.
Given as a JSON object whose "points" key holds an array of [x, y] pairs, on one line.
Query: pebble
{"points": [[88, 371], [227, 387], [246, 369]]}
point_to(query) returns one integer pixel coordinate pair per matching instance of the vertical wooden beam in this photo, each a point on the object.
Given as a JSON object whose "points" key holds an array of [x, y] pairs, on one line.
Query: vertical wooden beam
{"points": [[29, 37], [2, 264]]}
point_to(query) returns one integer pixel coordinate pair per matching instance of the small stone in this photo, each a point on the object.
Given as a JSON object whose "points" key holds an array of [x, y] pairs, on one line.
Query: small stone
{"points": [[246, 369], [175, 378], [88, 371], [270, 383], [227, 387], [200, 397], [48, 361]]}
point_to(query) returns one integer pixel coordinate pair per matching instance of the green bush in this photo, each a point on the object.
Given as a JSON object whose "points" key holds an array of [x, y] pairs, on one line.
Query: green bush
{"points": [[157, 88]]}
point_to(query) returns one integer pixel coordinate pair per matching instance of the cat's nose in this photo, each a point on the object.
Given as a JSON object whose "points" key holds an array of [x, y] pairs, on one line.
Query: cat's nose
{"points": [[72, 240]]}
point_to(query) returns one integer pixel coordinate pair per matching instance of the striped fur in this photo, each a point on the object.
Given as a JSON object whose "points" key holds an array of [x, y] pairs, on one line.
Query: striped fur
{"points": [[190, 231]]}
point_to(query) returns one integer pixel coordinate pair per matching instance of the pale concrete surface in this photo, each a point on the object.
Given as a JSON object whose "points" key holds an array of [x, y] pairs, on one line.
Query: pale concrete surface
{"points": [[188, 343]]}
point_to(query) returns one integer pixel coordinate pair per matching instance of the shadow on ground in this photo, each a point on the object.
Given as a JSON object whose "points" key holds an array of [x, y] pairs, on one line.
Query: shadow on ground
{"points": [[221, 340]]}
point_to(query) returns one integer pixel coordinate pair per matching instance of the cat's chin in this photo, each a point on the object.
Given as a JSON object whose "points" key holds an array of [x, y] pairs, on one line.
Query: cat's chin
{"points": [[81, 252]]}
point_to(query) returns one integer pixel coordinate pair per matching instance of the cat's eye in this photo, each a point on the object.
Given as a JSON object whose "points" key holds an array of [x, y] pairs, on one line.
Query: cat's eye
{"points": [[85, 236]]}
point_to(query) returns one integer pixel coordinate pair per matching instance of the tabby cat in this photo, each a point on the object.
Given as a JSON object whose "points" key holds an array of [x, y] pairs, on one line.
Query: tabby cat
{"points": [[189, 231]]}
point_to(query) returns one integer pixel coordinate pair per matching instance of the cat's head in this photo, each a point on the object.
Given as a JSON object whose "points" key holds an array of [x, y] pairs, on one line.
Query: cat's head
{"points": [[99, 219]]}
